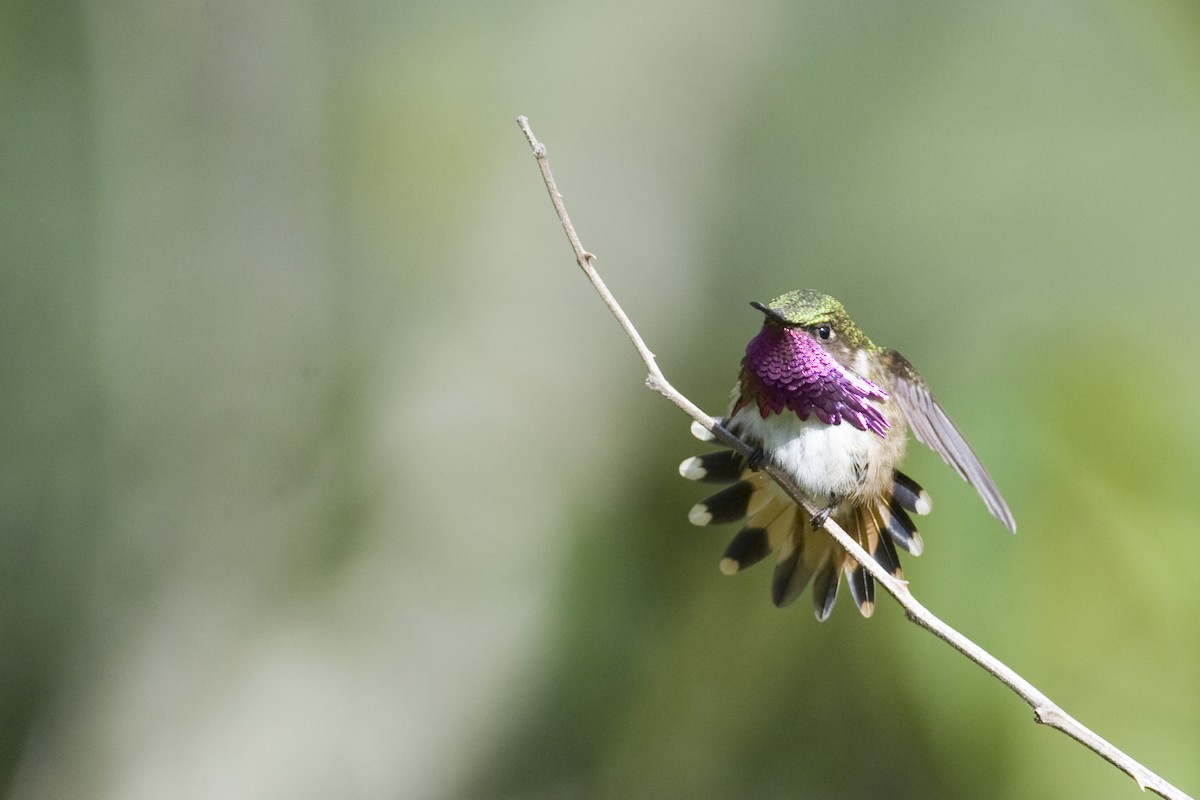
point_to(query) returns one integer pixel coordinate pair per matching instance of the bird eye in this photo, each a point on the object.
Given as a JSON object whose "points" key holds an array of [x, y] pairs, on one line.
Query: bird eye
{"points": [[824, 332]]}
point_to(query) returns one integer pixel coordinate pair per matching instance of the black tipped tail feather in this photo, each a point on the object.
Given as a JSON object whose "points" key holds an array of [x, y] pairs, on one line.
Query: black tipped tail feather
{"points": [[804, 554]]}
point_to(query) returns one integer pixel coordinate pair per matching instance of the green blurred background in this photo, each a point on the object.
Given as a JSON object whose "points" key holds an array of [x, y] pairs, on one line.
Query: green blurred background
{"points": [[325, 474]]}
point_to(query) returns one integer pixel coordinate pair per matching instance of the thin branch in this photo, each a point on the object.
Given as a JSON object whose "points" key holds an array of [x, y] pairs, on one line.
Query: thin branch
{"points": [[1045, 711]]}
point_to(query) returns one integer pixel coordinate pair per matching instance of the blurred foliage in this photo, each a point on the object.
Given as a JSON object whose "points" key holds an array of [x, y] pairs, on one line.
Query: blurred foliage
{"points": [[326, 475]]}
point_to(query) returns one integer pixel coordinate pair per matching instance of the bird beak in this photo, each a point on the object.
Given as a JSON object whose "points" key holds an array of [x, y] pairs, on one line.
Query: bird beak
{"points": [[771, 314]]}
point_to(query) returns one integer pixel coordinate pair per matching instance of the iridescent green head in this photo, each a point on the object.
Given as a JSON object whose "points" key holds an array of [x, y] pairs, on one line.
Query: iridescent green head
{"points": [[804, 308]]}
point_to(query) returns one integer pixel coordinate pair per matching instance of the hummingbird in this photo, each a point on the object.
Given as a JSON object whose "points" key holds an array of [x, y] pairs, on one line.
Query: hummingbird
{"points": [[821, 401]]}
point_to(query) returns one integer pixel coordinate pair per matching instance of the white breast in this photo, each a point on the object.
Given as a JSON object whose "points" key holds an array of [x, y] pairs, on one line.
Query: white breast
{"points": [[823, 459]]}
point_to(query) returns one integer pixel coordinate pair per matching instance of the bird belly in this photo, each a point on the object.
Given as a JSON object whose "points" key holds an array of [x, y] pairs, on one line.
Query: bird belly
{"points": [[826, 461]]}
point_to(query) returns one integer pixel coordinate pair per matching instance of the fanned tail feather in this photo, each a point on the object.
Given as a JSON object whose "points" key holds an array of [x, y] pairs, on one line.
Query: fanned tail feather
{"points": [[723, 466], [860, 522], [899, 526], [728, 505], [909, 494], [862, 586], [825, 586], [750, 546], [774, 523], [804, 552], [885, 553]]}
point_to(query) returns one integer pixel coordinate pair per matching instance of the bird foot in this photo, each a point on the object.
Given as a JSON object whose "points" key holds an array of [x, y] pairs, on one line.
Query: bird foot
{"points": [[818, 519]]}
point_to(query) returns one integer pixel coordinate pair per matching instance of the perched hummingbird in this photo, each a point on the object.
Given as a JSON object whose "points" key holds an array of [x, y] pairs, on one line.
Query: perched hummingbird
{"points": [[820, 400]]}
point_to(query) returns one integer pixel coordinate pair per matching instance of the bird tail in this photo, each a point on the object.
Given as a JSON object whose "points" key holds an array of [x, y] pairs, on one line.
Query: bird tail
{"points": [[773, 523]]}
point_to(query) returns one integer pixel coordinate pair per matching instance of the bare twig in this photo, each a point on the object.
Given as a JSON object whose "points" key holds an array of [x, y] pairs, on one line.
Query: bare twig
{"points": [[1044, 710]]}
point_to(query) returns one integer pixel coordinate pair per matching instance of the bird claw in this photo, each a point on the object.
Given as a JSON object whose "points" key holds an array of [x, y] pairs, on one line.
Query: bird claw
{"points": [[756, 459], [818, 519]]}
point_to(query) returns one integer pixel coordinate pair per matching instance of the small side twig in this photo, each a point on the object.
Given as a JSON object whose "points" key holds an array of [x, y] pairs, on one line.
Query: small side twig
{"points": [[1045, 711]]}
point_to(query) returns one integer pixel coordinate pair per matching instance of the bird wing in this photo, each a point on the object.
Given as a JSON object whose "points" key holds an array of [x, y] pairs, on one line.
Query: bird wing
{"points": [[933, 428]]}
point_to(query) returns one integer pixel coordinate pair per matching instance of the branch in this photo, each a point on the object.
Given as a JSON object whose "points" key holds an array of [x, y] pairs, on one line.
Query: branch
{"points": [[1045, 711]]}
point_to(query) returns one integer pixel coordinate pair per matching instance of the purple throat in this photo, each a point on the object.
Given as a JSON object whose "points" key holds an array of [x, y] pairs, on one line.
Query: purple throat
{"points": [[789, 370]]}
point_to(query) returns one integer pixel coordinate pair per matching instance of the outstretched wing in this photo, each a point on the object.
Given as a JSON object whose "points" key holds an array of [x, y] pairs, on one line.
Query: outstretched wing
{"points": [[933, 428]]}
